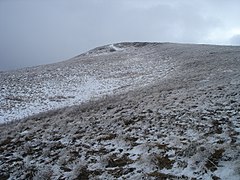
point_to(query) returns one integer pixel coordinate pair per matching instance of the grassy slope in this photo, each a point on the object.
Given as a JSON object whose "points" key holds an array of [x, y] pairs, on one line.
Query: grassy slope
{"points": [[186, 125]]}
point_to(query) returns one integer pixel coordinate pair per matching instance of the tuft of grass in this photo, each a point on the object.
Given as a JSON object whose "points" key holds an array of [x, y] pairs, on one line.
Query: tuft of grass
{"points": [[163, 162], [161, 146], [213, 160], [163, 176], [114, 161], [81, 172], [106, 137], [6, 141], [14, 98], [4, 176], [118, 172]]}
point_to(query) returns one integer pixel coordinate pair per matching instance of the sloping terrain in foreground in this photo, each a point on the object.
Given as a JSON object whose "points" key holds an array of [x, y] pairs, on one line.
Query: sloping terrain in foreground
{"points": [[182, 124]]}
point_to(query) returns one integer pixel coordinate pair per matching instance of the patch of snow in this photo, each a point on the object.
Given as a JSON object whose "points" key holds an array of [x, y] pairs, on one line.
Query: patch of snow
{"points": [[228, 170], [112, 46]]}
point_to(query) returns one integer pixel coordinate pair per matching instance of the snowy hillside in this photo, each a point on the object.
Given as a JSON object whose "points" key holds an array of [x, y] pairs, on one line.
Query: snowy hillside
{"points": [[105, 70], [149, 111]]}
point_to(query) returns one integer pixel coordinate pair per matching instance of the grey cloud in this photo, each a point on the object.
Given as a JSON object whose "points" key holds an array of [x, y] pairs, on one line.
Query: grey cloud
{"points": [[36, 32], [235, 40]]}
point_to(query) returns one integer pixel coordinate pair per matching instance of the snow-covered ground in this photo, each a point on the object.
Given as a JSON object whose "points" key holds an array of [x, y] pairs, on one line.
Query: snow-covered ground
{"points": [[173, 112], [108, 70]]}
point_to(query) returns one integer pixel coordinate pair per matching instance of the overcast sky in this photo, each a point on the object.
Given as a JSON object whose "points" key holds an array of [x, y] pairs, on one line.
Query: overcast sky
{"points": [[34, 32]]}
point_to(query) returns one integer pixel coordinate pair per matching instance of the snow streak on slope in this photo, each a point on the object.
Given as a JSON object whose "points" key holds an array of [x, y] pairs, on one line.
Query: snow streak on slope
{"points": [[52, 94]]}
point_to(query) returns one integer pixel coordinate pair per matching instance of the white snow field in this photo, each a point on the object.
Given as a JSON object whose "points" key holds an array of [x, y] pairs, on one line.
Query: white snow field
{"points": [[125, 111]]}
